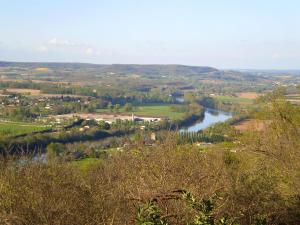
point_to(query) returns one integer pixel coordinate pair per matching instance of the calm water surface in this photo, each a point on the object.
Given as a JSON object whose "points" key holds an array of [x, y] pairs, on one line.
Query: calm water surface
{"points": [[211, 116]]}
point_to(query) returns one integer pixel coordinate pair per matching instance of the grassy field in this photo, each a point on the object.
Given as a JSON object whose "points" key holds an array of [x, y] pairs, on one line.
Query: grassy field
{"points": [[158, 111], [164, 110], [231, 99], [17, 128]]}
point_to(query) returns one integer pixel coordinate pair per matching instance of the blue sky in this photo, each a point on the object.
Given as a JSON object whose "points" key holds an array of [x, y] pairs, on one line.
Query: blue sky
{"points": [[221, 33]]}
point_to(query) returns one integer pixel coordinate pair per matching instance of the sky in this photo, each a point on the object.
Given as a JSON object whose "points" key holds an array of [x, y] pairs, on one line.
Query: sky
{"points": [[236, 34]]}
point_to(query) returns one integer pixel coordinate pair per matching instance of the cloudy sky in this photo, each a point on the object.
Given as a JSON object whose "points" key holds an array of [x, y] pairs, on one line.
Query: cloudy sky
{"points": [[221, 33]]}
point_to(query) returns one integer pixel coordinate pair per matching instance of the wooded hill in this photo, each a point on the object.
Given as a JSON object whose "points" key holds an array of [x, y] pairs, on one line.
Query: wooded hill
{"points": [[118, 68]]}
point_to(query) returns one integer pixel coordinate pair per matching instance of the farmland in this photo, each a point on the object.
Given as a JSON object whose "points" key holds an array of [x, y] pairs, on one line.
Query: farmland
{"points": [[152, 110], [159, 111], [17, 128]]}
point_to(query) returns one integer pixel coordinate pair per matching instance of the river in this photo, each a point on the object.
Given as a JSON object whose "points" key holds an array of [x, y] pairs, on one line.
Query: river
{"points": [[211, 116]]}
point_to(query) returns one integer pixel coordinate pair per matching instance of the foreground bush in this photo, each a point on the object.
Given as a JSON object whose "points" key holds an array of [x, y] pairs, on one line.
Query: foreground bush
{"points": [[117, 190]]}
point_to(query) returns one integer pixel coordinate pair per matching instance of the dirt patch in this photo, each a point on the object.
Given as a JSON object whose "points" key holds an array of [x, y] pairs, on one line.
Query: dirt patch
{"points": [[42, 69], [248, 95], [23, 91], [251, 125]]}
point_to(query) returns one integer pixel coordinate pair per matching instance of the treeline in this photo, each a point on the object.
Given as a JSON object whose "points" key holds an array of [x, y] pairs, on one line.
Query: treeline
{"points": [[34, 143]]}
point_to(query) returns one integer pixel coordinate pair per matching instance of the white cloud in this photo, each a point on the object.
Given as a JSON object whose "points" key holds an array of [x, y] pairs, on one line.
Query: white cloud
{"points": [[43, 49], [67, 46], [61, 42], [89, 51]]}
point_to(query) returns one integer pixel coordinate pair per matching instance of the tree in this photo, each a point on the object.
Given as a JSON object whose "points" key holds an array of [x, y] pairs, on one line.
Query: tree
{"points": [[128, 107], [195, 108], [189, 97], [110, 106], [91, 108], [117, 107], [54, 150]]}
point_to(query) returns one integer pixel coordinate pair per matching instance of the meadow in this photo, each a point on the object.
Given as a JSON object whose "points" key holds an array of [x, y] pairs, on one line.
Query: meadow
{"points": [[17, 128], [152, 110]]}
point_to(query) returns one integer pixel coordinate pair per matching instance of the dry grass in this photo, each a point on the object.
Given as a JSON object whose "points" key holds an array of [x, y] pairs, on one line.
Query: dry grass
{"points": [[250, 125], [109, 192], [248, 95], [42, 69], [23, 91]]}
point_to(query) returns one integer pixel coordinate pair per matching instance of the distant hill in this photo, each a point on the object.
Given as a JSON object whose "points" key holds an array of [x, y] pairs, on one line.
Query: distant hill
{"points": [[119, 68]]}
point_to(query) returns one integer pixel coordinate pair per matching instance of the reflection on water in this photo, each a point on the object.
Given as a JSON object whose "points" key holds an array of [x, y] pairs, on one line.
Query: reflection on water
{"points": [[211, 116]]}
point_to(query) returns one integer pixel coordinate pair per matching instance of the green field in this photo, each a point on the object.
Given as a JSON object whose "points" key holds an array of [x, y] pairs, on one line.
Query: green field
{"points": [[231, 99], [17, 128], [159, 110]]}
